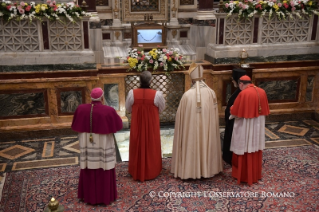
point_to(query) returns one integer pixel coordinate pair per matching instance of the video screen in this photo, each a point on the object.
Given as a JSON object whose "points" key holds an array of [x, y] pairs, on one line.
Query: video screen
{"points": [[149, 36]]}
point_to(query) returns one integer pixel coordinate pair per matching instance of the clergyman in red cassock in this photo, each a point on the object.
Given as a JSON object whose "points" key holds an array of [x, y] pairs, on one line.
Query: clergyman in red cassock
{"points": [[96, 124], [248, 140], [145, 104]]}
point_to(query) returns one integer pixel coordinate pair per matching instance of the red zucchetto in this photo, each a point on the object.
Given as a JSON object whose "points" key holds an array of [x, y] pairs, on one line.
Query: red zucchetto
{"points": [[245, 78]]}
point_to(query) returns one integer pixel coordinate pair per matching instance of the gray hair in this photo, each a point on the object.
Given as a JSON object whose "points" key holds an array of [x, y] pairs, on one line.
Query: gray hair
{"points": [[145, 79]]}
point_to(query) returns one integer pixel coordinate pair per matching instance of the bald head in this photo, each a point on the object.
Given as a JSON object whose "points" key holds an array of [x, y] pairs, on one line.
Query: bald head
{"points": [[145, 79]]}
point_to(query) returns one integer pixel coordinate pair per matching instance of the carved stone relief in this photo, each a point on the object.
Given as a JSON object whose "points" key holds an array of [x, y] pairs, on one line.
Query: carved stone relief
{"points": [[284, 31], [238, 32], [19, 36], [66, 36], [70, 100], [186, 2], [111, 95]]}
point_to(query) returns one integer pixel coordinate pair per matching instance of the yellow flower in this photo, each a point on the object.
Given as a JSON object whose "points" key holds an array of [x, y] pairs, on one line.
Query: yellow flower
{"points": [[132, 62], [170, 59], [26, 4], [44, 7], [309, 3], [37, 8], [285, 2], [235, 2], [276, 7], [261, 2]]}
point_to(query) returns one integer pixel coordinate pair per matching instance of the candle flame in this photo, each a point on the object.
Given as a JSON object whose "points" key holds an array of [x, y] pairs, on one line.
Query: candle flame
{"points": [[52, 199]]}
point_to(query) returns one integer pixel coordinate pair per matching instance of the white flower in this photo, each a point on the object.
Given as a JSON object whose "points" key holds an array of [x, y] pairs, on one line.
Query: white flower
{"points": [[298, 15], [46, 15], [270, 3], [270, 13], [1, 14], [70, 4], [304, 12], [290, 16], [263, 13]]}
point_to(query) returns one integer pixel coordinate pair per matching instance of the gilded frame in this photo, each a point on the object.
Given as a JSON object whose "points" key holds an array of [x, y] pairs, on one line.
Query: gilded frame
{"points": [[160, 15]]}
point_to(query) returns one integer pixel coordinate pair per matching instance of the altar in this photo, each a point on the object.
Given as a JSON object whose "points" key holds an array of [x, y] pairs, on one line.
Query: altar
{"points": [[48, 68]]}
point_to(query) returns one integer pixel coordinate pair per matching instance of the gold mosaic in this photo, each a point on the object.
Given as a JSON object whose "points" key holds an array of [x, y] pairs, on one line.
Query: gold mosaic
{"points": [[315, 140], [48, 149], [293, 130], [45, 163], [312, 123], [3, 167], [270, 134], [74, 147], [15, 152], [286, 143]]}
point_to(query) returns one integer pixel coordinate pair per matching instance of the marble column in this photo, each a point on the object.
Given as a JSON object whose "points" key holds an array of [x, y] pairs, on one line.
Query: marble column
{"points": [[205, 10], [173, 14], [116, 14], [96, 39]]}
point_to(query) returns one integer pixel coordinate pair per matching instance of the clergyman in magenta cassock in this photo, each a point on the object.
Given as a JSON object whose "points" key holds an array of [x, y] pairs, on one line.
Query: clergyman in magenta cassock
{"points": [[96, 124]]}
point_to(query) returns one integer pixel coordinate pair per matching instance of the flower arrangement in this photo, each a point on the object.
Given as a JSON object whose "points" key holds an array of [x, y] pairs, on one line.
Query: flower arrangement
{"points": [[51, 10], [168, 59], [283, 9]]}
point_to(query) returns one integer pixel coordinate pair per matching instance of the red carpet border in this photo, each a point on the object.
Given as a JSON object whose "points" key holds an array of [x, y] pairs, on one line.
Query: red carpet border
{"points": [[290, 172]]}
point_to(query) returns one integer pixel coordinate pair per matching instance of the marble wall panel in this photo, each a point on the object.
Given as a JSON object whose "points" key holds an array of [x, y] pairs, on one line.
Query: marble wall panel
{"points": [[23, 104], [70, 100], [224, 86], [228, 88], [310, 82], [291, 107], [280, 90], [53, 87], [111, 95]]}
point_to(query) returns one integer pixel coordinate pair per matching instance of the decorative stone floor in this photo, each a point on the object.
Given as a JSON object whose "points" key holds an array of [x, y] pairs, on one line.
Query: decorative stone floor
{"points": [[64, 150]]}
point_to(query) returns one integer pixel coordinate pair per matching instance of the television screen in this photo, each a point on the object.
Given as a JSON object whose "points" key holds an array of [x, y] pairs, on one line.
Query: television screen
{"points": [[149, 36]]}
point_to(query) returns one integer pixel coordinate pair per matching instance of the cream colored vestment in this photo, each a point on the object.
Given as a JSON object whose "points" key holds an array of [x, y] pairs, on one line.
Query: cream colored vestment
{"points": [[196, 146]]}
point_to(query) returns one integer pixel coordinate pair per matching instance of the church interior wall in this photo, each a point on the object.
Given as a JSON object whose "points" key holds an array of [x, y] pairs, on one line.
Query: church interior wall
{"points": [[44, 96], [22, 117]]}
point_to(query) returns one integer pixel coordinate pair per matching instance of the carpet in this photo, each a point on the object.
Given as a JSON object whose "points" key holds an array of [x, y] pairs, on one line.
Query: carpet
{"points": [[290, 183]]}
